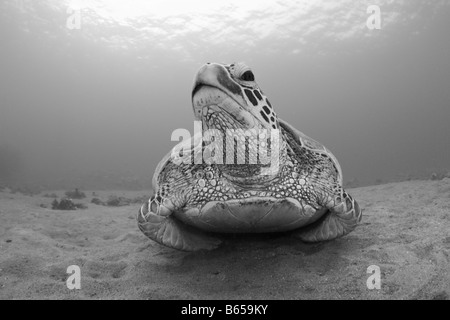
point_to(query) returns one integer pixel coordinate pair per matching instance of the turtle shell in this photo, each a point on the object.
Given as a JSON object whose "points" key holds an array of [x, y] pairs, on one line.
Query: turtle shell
{"points": [[255, 213], [306, 142], [251, 215]]}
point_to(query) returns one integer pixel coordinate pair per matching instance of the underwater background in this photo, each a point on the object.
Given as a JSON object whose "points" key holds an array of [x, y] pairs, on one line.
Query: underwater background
{"points": [[91, 91]]}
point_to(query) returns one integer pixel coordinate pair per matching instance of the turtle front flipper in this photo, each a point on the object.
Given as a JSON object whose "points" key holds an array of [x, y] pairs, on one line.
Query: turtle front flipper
{"points": [[156, 222], [341, 218]]}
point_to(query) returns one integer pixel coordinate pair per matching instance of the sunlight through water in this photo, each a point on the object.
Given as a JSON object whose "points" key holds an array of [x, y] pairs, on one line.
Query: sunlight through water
{"points": [[174, 24]]}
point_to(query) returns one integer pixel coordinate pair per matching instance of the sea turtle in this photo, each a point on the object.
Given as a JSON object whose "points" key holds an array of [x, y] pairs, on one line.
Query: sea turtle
{"points": [[298, 190]]}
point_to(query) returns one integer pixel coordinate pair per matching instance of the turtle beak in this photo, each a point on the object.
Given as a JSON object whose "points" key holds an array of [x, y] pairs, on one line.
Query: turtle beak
{"points": [[215, 75]]}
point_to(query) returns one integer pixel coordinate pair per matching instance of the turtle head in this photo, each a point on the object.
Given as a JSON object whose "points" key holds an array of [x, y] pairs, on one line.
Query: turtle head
{"points": [[228, 97]]}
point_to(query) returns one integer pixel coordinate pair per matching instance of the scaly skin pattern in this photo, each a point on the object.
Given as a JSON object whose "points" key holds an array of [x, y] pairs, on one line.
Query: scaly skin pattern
{"points": [[304, 195]]}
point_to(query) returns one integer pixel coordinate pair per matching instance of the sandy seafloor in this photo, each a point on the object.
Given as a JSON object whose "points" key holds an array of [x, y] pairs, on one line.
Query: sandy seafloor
{"points": [[405, 231]]}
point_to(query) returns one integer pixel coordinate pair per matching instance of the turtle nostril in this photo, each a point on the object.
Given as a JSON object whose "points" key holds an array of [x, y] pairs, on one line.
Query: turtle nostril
{"points": [[248, 76]]}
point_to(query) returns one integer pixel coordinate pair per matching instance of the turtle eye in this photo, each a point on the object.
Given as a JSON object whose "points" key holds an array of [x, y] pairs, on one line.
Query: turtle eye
{"points": [[248, 76]]}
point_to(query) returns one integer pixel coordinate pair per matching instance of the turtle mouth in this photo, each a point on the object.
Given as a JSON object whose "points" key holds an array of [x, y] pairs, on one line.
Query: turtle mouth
{"points": [[217, 109], [197, 88]]}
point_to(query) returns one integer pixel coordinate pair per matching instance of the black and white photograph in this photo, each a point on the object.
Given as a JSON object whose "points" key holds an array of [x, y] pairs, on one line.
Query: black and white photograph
{"points": [[224, 154]]}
